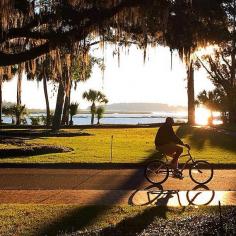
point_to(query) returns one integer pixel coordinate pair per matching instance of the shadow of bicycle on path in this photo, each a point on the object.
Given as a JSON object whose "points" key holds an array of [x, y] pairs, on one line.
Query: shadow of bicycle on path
{"points": [[155, 195]]}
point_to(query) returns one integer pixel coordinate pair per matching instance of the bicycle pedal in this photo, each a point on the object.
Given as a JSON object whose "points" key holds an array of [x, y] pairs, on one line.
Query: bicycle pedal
{"points": [[178, 175]]}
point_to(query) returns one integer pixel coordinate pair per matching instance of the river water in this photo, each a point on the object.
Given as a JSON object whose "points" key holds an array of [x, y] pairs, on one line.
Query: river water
{"points": [[117, 118]]}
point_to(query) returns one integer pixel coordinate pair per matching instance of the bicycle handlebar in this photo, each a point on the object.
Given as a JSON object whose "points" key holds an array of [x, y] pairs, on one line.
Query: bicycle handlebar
{"points": [[188, 147]]}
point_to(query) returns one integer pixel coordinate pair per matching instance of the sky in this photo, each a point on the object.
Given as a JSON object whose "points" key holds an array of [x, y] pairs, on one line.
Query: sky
{"points": [[130, 81]]}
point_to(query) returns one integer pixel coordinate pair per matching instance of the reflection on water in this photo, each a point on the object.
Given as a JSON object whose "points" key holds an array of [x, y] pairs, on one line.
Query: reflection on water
{"points": [[200, 195]]}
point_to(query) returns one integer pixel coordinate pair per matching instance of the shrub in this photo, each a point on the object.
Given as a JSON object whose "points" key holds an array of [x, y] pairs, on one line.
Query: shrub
{"points": [[35, 120]]}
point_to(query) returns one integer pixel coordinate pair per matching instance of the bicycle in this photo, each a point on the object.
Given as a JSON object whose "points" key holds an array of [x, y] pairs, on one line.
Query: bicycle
{"points": [[200, 172]]}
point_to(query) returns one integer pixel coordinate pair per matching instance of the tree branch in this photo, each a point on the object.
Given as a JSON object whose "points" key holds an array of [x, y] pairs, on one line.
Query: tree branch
{"points": [[11, 59]]}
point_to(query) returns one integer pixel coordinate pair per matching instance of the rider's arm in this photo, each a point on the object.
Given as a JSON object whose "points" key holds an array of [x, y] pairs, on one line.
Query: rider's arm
{"points": [[175, 138]]}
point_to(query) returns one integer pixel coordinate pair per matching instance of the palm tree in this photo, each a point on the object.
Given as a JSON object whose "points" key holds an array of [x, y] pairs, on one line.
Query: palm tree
{"points": [[94, 96], [73, 111], [100, 112], [20, 110], [15, 110]]}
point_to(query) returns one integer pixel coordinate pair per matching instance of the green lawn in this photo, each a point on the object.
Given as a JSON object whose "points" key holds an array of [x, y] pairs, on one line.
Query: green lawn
{"points": [[131, 145], [33, 219]]}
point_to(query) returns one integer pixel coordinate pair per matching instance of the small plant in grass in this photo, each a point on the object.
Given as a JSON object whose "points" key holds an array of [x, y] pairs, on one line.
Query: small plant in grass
{"points": [[73, 111], [46, 121], [35, 120], [100, 112]]}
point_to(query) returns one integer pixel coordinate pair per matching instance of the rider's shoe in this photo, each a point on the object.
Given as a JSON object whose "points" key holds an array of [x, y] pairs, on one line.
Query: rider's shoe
{"points": [[177, 174]]}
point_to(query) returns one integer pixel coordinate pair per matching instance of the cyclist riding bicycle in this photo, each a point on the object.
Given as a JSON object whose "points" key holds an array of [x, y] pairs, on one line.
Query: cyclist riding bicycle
{"points": [[170, 144]]}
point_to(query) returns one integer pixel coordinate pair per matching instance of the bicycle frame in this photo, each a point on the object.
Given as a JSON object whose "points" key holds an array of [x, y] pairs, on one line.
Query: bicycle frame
{"points": [[185, 155]]}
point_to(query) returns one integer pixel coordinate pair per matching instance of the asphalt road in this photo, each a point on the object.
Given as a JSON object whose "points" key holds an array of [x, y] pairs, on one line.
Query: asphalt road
{"points": [[100, 179]]}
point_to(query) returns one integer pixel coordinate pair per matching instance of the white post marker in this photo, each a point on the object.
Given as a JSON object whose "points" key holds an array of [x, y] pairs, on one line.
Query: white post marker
{"points": [[111, 148]]}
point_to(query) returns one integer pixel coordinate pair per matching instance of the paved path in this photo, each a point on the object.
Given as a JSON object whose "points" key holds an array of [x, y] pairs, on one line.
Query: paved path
{"points": [[116, 186], [95, 179]]}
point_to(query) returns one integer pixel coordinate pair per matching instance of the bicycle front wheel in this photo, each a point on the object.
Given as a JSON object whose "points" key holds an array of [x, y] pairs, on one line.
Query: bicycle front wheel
{"points": [[201, 172], [156, 172]]}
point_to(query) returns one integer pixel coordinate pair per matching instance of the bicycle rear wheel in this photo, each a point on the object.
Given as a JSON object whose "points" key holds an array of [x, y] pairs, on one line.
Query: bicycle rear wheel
{"points": [[201, 172], [156, 172]]}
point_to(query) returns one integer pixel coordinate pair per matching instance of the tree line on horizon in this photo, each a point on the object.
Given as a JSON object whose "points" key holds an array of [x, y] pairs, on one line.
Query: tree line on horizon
{"points": [[51, 40]]}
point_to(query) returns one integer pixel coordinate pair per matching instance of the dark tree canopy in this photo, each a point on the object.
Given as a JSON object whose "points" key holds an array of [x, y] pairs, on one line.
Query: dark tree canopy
{"points": [[32, 28]]}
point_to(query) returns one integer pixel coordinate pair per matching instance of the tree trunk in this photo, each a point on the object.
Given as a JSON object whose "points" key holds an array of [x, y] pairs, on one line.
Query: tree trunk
{"points": [[93, 108], [210, 120], [56, 123], [71, 120], [232, 112], [232, 96], [191, 99], [46, 100], [19, 92], [0, 99], [19, 89], [65, 117], [92, 118]]}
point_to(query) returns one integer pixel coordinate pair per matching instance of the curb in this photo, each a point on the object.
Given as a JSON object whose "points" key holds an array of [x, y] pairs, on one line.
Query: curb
{"points": [[94, 165]]}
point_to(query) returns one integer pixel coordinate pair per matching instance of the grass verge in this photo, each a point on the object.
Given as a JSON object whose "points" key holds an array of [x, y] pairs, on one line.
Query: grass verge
{"points": [[130, 145], [16, 219]]}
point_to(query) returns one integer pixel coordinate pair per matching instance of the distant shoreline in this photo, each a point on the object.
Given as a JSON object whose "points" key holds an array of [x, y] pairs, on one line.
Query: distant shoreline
{"points": [[124, 108], [95, 126], [113, 112]]}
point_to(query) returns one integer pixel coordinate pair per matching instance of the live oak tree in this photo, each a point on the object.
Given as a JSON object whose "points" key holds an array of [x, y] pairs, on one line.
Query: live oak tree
{"points": [[30, 29]]}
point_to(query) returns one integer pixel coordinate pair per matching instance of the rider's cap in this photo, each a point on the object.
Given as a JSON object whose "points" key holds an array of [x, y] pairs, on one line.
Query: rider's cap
{"points": [[169, 120]]}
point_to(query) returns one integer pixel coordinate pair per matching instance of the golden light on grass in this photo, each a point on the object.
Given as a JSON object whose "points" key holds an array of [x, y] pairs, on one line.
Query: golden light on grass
{"points": [[202, 116]]}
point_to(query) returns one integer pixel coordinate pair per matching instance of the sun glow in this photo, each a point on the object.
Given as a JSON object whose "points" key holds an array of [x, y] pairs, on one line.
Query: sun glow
{"points": [[206, 50], [202, 116]]}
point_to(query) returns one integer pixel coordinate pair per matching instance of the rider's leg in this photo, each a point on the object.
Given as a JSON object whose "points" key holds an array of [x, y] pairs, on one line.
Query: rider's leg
{"points": [[174, 151], [178, 152]]}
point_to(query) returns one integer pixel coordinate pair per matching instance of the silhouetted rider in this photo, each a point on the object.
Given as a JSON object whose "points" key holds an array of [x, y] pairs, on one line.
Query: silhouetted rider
{"points": [[169, 143]]}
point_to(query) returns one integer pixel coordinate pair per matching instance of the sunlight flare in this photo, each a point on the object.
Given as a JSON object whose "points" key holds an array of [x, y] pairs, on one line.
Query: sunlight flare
{"points": [[206, 50], [202, 116]]}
